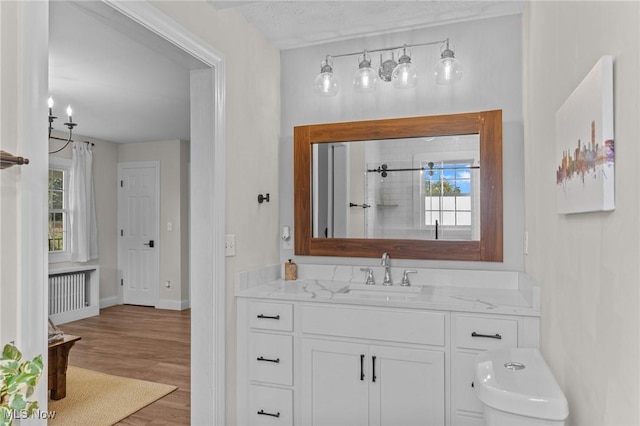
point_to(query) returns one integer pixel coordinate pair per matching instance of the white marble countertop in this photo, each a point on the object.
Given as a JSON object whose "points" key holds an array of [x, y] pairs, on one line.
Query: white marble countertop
{"points": [[511, 301]]}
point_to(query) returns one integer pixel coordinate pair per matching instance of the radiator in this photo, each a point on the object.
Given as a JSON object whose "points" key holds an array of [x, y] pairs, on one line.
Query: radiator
{"points": [[67, 292]]}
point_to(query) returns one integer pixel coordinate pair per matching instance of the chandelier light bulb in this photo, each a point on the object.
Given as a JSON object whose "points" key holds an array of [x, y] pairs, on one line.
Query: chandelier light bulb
{"points": [[326, 83], [365, 79], [50, 102], [70, 113]]}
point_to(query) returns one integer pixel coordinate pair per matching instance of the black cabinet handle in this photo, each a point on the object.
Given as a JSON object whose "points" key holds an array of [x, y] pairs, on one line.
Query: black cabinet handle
{"points": [[473, 385], [373, 362], [489, 336], [277, 360], [264, 413], [362, 367], [262, 316]]}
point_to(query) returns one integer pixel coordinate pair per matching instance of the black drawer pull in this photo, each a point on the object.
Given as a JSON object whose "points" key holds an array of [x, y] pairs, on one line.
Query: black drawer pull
{"points": [[264, 413], [373, 362], [473, 385], [361, 367], [277, 360], [490, 336], [261, 316]]}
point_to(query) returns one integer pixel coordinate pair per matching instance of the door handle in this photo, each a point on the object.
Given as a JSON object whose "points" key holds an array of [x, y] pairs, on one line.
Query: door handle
{"points": [[150, 243]]}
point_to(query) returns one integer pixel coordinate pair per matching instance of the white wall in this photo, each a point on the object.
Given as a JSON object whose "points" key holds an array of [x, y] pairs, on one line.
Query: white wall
{"points": [[491, 53], [252, 125], [10, 179], [586, 264]]}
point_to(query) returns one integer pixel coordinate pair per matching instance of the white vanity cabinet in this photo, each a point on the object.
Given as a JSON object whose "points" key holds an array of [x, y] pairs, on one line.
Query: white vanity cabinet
{"points": [[378, 380], [307, 356], [265, 363], [471, 334]]}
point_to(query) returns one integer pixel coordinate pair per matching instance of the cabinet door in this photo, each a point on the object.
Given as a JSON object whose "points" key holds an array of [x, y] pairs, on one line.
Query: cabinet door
{"points": [[334, 383], [408, 387]]}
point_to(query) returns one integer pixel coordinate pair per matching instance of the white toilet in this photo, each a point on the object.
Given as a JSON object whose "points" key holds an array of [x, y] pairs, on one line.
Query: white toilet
{"points": [[517, 388]]}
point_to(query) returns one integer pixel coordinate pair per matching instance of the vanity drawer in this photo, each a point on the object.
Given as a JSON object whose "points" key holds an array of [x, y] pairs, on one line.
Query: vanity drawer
{"points": [[270, 406], [407, 326], [485, 333], [271, 316], [271, 358], [463, 375]]}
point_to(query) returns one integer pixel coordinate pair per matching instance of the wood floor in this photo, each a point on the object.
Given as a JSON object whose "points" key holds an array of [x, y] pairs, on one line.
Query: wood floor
{"points": [[141, 343]]}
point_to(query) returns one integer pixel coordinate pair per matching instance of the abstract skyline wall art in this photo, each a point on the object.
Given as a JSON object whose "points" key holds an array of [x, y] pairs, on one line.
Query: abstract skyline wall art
{"points": [[585, 145]]}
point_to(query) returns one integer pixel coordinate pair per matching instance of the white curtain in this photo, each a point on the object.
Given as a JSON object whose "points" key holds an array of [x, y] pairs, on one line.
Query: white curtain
{"points": [[84, 229]]}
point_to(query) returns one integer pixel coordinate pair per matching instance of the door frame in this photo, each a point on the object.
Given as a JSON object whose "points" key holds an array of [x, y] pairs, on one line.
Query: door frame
{"points": [[138, 164], [207, 217]]}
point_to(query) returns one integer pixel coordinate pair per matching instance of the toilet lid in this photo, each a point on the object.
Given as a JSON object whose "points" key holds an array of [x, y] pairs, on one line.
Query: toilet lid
{"points": [[519, 381]]}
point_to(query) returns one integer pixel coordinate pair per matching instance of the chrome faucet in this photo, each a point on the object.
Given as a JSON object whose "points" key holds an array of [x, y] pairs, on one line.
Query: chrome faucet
{"points": [[387, 269]]}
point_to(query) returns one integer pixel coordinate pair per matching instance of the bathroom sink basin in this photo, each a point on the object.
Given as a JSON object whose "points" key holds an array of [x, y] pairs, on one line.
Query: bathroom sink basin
{"points": [[380, 291]]}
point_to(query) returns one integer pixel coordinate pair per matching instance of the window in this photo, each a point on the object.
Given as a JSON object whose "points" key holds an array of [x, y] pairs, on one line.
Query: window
{"points": [[449, 198], [59, 225]]}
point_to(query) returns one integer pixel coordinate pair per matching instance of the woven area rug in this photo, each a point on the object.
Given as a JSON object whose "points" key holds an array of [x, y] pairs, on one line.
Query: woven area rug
{"points": [[101, 399]]}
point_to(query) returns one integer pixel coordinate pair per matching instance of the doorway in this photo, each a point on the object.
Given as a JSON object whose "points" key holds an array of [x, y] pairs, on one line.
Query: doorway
{"points": [[207, 200]]}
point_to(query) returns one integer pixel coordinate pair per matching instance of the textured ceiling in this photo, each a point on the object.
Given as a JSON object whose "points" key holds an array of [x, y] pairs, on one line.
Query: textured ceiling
{"points": [[292, 24]]}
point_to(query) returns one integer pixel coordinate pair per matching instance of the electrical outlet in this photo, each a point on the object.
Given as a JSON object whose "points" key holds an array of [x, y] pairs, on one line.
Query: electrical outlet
{"points": [[287, 245], [230, 245], [167, 284], [169, 226]]}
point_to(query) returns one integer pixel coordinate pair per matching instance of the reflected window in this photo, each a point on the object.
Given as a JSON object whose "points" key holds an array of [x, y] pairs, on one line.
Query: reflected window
{"points": [[449, 197]]}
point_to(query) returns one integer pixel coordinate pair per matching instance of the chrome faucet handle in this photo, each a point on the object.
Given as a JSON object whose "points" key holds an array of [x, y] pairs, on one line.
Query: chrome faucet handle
{"points": [[370, 278], [385, 259], [405, 277]]}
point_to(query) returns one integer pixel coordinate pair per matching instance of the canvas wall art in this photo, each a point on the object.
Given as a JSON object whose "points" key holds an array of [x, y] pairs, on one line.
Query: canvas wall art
{"points": [[585, 144]]}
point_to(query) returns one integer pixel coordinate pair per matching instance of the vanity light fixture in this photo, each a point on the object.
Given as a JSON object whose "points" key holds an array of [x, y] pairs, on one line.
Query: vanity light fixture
{"points": [[403, 73], [365, 79], [448, 69], [326, 84]]}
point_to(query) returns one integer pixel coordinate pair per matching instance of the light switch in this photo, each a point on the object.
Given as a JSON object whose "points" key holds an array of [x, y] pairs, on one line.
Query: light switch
{"points": [[230, 245]]}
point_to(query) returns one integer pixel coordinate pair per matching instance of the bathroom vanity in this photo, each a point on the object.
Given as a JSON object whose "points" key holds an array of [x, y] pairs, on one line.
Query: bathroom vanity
{"points": [[327, 349]]}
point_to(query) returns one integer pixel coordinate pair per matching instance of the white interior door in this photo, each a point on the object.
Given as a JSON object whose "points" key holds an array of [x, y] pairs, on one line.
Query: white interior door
{"points": [[138, 219]]}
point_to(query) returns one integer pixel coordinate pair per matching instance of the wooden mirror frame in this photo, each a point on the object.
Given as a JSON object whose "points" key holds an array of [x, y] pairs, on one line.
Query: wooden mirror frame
{"points": [[486, 124]]}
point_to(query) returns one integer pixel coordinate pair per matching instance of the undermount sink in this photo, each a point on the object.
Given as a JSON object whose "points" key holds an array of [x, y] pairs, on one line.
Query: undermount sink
{"points": [[381, 291]]}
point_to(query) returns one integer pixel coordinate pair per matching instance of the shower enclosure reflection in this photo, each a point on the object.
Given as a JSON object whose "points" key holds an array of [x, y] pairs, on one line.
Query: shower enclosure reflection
{"points": [[424, 188]]}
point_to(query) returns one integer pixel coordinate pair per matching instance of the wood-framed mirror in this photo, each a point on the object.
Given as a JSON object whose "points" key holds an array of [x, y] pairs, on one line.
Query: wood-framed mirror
{"points": [[450, 188]]}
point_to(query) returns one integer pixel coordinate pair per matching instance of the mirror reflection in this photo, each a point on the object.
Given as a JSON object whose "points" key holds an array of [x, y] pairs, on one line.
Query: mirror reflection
{"points": [[423, 188]]}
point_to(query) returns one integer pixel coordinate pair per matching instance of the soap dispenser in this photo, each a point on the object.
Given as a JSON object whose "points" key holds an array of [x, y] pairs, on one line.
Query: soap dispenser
{"points": [[290, 271]]}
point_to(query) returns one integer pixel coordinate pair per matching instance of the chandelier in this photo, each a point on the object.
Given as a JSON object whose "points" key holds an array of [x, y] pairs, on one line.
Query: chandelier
{"points": [[70, 125]]}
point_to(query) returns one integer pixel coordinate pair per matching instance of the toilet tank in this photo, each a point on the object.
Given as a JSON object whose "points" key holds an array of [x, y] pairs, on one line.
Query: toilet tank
{"points": [[517, 383]]}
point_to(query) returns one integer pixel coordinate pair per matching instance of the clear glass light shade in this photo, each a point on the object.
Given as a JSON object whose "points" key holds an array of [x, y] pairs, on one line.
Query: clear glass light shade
{"points": [[448, 71], [405, 76], [326, 84], [365, 80]]}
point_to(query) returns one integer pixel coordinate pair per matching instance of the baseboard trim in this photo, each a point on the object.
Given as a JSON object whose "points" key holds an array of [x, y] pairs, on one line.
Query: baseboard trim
{"points": [[174, 305], [108, 301]]}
